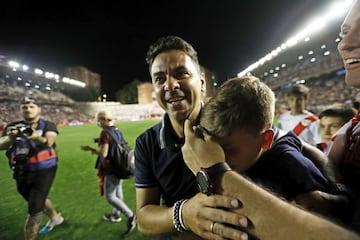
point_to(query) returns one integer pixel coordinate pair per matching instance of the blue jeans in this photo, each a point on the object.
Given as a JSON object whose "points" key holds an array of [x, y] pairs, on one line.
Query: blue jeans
{"points": [[114, 194]]}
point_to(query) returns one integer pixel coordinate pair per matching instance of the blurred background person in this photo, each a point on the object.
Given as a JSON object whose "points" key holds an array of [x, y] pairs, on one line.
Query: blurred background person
{"points": [[332, 119], [302, 122], [110, 182]]}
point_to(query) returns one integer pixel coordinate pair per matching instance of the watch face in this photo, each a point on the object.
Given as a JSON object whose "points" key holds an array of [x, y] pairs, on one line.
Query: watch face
{"points": [[202, 182]]}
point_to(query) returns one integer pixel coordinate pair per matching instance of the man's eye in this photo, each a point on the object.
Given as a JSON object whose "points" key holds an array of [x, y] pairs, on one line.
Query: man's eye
{"points": [[159, 80], [183, 75], [342, 33]]}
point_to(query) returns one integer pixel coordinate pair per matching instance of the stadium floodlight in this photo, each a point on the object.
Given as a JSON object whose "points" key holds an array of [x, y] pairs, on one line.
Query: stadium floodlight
{"points": [[38, 71], [49, 75], [73, 82], [25, 68], [13, 64], [327, 53], [336, 10]]}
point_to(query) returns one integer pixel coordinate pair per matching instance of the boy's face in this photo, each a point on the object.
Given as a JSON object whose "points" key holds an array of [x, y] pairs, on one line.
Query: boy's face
{"points": [[329, 126], [349, 46], [296, 103], [242, 149], [178, 84]]}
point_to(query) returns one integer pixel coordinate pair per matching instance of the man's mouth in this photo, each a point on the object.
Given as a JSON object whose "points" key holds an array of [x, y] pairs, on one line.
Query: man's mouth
{"points": [[352, 60], [175, 99]]}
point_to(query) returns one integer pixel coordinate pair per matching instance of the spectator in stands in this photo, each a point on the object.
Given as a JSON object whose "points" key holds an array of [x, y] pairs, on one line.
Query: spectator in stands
{"points": [[110, 183], [30, 148], [345, 151], [303, 123], [331, 120]]}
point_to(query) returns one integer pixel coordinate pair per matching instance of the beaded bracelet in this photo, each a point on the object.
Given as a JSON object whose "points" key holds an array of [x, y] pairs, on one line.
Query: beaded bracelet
{"points": [[177, 216]]}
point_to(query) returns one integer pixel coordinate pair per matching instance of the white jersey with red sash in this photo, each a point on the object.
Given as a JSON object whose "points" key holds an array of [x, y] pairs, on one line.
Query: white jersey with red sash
{"points": [[306, 126]]}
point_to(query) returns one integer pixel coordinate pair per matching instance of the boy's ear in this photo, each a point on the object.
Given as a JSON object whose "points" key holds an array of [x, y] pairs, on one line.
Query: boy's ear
{"points": [[268, 138]]}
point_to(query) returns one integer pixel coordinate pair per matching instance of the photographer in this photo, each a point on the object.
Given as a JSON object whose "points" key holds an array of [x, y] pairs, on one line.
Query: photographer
{"points": [[30, 148]]}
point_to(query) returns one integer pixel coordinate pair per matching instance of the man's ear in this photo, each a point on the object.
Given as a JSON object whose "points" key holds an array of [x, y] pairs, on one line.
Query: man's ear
{"points": [[268, 138]]}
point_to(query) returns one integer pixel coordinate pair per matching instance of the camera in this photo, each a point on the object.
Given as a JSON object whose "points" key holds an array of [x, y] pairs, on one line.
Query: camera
{"points": [[24, 130], [19, 168], [96, 140]]}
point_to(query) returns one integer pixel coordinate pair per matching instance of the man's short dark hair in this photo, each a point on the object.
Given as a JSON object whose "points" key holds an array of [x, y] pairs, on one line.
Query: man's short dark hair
{"points": [[168, 43], [27, 100], [343, 111]]}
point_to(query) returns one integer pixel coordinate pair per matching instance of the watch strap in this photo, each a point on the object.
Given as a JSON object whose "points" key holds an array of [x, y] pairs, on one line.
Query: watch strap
{"points": [[217, 168]]}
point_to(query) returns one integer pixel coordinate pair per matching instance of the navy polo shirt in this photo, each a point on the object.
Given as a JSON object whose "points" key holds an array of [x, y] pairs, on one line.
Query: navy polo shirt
{"points": [[283, 169], [159, 163]]}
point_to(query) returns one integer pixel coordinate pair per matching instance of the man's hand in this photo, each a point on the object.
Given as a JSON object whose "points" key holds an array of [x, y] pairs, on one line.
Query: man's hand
{"points": [[209, 217], [88, 148], [12, 133], [200, 150]]}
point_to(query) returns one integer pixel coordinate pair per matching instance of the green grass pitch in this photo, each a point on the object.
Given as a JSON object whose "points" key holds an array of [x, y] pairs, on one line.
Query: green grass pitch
{"points": [[75, 191]]}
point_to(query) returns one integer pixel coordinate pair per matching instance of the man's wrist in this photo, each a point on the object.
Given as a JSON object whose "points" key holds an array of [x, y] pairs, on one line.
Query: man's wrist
{"points": [[177, 216], [208, 179]]}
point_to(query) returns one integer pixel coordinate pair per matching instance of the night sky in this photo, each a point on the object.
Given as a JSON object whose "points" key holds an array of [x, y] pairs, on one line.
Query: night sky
{"points": [[111, 39]]}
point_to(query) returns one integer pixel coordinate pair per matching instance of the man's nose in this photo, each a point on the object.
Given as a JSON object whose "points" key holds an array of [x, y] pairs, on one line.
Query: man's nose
{"points": [[171, 84]]}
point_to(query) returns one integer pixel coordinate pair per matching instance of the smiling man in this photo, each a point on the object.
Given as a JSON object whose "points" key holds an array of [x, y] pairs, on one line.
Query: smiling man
{"points": [[164, 184]]}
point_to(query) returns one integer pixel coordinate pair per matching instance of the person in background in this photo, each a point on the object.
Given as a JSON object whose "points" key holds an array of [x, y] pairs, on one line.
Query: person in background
{"points": [[163, 181], [30, 148], [332, 119], [114, 215], [303, 123], [110, 182]]}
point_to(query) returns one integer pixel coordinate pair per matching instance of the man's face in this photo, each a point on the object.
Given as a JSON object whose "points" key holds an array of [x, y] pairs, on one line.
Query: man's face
{"points": [[178, 84], [30, 112], [349, 46]]}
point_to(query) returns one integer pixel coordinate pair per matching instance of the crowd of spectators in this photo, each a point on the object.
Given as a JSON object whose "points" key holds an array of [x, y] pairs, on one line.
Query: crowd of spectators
{"points": [[56, 107], [325, 90], [325, 77]]}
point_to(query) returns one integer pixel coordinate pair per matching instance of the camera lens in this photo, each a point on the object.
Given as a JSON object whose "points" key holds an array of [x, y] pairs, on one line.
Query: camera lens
{"points": [[27, 132]]}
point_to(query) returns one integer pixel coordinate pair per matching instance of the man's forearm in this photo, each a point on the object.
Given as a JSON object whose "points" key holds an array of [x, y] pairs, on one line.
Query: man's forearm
{"points": [[274, 218], [155, 220]]}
